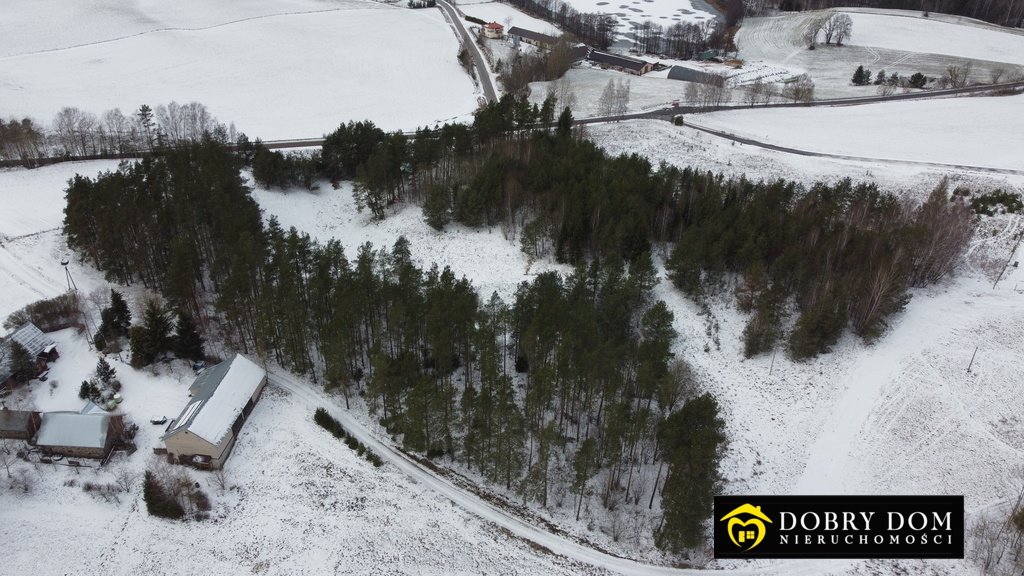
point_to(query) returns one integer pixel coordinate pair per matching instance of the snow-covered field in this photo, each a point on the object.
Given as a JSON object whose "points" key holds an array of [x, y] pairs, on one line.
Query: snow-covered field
{"points": [[959, 131], [288, 69], [896, 42], [928, 36], [659, 141]]}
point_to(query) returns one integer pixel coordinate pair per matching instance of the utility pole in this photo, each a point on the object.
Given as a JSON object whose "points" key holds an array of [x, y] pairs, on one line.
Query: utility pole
{"points": [[972, 359]]}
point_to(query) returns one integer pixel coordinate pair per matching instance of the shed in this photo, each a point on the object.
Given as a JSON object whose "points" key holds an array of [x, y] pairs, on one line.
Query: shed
{"points": [[222, 398], [78, 435], [620, 63], [18, 424], [38, 345]]}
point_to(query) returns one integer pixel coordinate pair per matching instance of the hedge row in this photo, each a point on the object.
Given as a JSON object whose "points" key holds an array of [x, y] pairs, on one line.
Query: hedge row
{"points": [[327, 422]]}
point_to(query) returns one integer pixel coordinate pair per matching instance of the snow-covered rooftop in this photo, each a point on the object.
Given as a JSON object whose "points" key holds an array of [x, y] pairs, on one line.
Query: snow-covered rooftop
{"points": [[73, 429], [219, 396]]}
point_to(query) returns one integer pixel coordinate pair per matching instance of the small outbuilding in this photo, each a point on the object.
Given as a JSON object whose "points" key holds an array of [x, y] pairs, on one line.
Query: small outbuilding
{"points": [[620, 63], [494, 30], [223, 396], [39, 346], [78, 435], [18, 424]]}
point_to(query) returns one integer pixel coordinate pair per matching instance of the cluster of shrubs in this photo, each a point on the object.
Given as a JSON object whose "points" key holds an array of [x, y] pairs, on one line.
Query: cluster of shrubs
{"points": [[49, 315], [327, 422], [991, 203], [169, 499]]}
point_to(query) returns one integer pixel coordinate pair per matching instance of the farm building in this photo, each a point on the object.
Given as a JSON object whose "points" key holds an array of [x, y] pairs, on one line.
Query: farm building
{"points": [[18, 424], [222, 398], [620, 63], [537, 39], [579, 52], [78, 435], [691, 75], [494, 30]]}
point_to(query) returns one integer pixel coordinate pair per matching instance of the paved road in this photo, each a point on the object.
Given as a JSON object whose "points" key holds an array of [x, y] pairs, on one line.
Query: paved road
{"points": [[482, 70]]}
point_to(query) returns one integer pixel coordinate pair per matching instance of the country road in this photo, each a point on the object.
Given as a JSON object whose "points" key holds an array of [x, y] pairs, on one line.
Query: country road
{"points": [[799, 152], [556, 544], [482, 71]]}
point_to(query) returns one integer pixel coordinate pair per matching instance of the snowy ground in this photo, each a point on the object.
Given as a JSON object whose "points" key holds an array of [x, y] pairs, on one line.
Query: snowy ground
{"points": [[882, 40], [660, 141], [906, 130], [507, 16], [289, 69], [298, 502], [587, 83], [899, 416]]}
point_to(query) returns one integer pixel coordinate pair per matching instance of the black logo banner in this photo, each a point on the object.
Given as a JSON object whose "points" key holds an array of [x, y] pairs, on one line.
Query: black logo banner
{"points": [[839, 526]]}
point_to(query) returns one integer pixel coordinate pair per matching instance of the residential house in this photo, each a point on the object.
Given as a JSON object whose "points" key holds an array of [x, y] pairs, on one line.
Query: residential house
{"points": [[494, 30], [79, 435], [223, 396]]}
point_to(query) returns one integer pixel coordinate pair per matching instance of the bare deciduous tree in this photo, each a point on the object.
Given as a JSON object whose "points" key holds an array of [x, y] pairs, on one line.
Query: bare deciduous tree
{"points": [[843, 27], [957, 76], [802, 90], [814, 25], [125, 478]]}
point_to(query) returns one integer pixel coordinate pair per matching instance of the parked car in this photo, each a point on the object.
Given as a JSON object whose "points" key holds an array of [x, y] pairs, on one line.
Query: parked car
{"points": [[158, 420]]}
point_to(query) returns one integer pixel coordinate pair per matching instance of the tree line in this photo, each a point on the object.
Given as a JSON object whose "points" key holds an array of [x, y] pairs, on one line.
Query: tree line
{"points": [[575, 373], [78, 133]]}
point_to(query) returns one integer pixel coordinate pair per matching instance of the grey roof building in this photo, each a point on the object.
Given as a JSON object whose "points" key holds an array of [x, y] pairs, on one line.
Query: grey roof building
{"points": [[620, 63], [77, 434], [531, 37], [222, 398], [690, 75]]}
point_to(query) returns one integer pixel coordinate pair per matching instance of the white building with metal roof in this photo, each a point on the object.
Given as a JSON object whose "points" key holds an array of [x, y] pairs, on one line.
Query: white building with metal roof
{"points": [[222, 398]]}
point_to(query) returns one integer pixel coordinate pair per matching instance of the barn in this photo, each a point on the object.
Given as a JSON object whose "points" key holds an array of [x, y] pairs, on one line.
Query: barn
{"points": [[222, 398], [537, 39], [620, 63], [78, 435]]}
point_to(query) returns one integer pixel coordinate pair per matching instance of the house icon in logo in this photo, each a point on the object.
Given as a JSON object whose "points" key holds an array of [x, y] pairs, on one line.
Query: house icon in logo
{"points": [[746, 526]]}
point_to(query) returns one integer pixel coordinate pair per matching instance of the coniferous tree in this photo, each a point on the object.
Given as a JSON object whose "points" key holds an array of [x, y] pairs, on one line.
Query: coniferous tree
{"points": [[691, 439], [187, 341], [22, 364], [104, 371]]}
